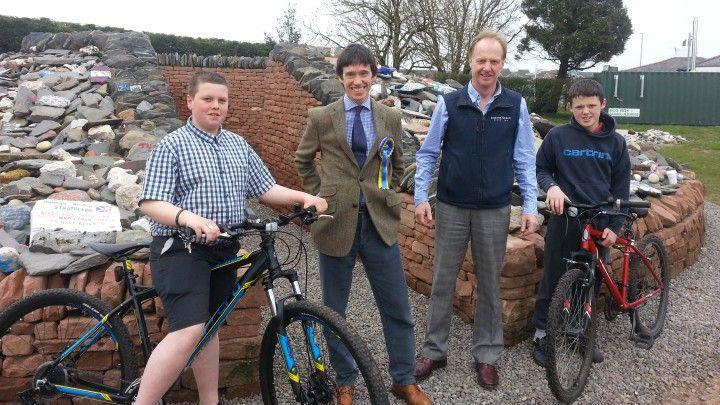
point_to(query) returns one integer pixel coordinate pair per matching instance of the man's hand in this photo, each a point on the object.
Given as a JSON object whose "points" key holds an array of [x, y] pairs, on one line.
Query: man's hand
{"points": [[201, 226], [556, 200], [528, 224], [319, 203], [423, 214], [609, 237]]}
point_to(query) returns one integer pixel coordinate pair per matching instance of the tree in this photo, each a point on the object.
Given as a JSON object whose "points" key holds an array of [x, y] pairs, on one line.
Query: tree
{"points": [[286, 26], [387, 27], [453, 23], [575, 34]]}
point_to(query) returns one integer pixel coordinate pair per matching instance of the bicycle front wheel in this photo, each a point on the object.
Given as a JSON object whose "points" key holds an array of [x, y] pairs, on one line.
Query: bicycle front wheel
{"points": [[95, 359], [649, 318], [570, 335], [315, 333]]}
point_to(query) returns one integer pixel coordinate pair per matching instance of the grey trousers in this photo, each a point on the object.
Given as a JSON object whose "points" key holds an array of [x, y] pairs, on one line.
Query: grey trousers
{"points": [[486, 230]]}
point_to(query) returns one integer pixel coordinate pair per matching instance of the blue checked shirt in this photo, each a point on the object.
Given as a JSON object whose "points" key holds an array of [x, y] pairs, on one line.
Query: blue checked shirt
{"points": [[206, 174], [365, 116], [523, 155]]}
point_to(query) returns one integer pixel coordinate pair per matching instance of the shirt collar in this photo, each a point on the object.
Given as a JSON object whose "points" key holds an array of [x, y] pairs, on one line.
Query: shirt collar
{"points": [[474, 95], [205, 136], [349, 104]]}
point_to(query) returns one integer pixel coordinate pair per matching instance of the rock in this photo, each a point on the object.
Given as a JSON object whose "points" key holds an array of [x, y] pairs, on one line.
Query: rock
{"points": [[47, 136], [77, 183], [11, 288], [78, 123], [20, 189], [107, 195], [41, 113], [13, 175], [101, 133], [53, 101], [140, 151], [91, 99], [454, 84], [66, 84], [515, 218], [127, 115], [142, 224], [133, 137], [40, 264], [653, 178], [94, 194], [23, 143], [15, 216], [63, 241], [127, 196], [24, 100], [6, 103], [44, 126], [92, 114], [52, 180], [76, 134], [61, 168], [86, 262], [30, 164], [43, 146], [144, 106], [71, 195], [9, 260], [32, 85], [99, 148], [62, 154], [118, 177], [134, 236], [42, 189], [103, 161]]}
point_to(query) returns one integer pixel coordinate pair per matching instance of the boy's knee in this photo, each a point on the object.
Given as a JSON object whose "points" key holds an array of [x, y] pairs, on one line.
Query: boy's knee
{"points": [[188, 335]]}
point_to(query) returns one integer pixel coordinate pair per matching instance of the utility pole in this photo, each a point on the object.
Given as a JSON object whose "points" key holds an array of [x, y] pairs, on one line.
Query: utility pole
{"points": [[642, 35]]}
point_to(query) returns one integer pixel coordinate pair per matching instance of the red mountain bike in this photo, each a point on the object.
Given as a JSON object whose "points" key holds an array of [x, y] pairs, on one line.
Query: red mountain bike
{"points": [[641, 291]]}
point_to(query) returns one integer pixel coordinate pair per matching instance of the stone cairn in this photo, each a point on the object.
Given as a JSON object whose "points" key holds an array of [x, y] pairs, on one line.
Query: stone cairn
{"points": [[80, 113]]}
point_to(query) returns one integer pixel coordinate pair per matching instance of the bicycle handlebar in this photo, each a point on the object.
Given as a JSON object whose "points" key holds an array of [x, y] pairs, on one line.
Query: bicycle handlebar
{"points": [[307, 215], [615, 204]]}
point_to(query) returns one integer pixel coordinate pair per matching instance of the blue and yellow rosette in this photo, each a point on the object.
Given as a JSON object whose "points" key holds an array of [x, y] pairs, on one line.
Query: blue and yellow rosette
{"points": [[386, 147]]}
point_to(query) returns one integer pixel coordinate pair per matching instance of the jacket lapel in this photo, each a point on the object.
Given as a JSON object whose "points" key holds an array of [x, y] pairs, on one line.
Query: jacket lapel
{"points": [[338, 120], [380, 130]]}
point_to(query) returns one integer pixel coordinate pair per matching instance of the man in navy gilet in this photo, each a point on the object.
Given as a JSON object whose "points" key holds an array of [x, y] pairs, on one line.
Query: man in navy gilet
{"points": [[486, 139]]}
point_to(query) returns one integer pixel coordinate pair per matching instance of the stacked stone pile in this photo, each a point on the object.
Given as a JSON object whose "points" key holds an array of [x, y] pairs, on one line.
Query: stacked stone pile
{"points": [[80, 113]]}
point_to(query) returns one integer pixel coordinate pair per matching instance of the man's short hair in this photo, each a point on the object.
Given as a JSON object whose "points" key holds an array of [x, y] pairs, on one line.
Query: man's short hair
{"points": [[492, 34], [585, 88], [199, 78], [356, 54]]}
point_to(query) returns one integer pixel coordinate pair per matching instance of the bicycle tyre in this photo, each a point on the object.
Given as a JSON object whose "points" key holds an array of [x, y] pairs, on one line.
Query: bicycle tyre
{"points": [[637, 287], [329, 319], [557, 336], [72, 307]]}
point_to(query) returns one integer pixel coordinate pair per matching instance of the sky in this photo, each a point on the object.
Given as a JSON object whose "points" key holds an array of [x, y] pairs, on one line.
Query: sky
{"points": [[659, 25]]}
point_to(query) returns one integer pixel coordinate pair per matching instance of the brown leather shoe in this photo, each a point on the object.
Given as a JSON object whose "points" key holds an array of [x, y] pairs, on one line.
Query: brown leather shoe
{"points": [[345, 395], [411, 393], [487, 375], [424, 367]]}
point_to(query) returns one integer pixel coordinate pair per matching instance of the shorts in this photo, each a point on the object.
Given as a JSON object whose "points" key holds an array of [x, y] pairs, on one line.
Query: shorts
{"points": [[189, 291]]}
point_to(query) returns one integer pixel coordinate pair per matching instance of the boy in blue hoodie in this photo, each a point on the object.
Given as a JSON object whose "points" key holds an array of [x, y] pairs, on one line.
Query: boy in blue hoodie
{"points": [[584, 162]]}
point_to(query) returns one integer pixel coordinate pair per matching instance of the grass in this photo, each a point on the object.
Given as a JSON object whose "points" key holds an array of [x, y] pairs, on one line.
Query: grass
{"points": [[701, 152]]}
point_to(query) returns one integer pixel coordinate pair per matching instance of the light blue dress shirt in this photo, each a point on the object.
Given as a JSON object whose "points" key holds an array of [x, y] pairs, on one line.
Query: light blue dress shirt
{"points": [[523, 155], [365, 116]]}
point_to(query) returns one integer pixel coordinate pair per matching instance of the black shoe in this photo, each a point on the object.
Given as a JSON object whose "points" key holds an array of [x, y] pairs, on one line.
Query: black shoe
{"points": [[597, 355], [539, 352]]}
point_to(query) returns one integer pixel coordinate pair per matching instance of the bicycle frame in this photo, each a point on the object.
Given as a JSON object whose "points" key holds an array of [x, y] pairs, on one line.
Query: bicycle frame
{"points": [[260, 261], [619, 293]]}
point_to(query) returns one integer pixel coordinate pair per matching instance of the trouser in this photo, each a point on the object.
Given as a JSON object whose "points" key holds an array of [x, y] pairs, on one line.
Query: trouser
{"points": [[486, 230], [383, 267]]}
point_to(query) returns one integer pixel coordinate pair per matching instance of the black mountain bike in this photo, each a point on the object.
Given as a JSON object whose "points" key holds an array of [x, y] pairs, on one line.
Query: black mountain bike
{"points": [[64, 343]]}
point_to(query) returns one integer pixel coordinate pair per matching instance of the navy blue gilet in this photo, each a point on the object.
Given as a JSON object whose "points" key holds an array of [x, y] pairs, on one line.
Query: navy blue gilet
{"points": [[476, 170]]}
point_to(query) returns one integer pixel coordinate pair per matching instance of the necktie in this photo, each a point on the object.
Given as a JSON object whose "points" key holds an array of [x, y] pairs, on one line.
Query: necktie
{"points": [[359, 141]]}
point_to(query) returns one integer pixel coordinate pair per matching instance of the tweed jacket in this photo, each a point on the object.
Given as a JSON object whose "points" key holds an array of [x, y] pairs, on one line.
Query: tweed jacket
{"points": [[335, 176]]}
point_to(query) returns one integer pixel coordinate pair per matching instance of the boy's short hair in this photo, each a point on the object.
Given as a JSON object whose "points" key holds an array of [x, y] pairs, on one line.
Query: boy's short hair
{"points": [[356, 54], [199, 78], [488, 34], [585, 88]]}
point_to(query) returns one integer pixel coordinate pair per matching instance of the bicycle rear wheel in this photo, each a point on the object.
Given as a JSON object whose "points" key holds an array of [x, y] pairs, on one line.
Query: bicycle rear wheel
{"points": [[649, 318], [312, 330], [42, 327], [570, 335]]}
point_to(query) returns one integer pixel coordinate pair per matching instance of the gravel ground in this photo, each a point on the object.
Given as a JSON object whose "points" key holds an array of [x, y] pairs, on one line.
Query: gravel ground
{"points": [[682, 367]]}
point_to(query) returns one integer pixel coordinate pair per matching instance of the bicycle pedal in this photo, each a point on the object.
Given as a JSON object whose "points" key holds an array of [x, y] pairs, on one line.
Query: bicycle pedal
{"points": [[642, 342]]}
